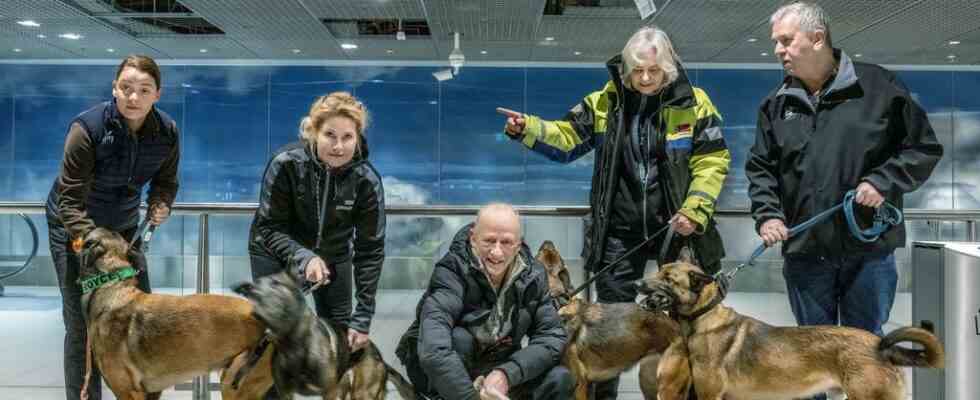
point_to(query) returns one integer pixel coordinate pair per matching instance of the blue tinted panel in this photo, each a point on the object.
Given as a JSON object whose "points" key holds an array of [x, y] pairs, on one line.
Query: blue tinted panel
{"points": [[478, 163], [965, 177], [403, 132], [737, 95], [551, 93], [934, 92], [227, 129]]}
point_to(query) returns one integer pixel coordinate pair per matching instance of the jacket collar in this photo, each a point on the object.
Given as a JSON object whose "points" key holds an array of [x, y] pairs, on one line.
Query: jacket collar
{"points": [[678, 93], [846, 77], [151, 126]]}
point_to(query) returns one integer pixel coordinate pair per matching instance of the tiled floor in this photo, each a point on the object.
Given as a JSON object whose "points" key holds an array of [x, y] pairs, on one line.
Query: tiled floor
{"points": [[31, 336]]}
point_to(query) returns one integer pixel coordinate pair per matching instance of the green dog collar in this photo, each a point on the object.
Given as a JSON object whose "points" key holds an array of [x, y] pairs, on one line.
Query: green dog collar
{"points": [[95, 282]]}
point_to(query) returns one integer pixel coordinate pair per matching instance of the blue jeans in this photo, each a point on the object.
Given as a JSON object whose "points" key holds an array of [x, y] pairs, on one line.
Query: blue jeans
{"points": [[856, 291]]}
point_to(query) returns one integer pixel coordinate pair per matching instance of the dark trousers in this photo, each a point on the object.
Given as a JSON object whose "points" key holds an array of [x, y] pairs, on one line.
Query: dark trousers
{"points": [[556, 384], [618, 285], [66, 267], [856, 291], [332, 301]]}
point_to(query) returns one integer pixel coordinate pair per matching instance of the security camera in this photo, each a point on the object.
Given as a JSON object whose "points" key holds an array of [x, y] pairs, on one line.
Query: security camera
{"points": [[443, 75]]}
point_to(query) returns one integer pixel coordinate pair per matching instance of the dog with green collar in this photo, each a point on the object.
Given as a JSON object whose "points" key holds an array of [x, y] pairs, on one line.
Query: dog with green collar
{"points": [[145, 343]]}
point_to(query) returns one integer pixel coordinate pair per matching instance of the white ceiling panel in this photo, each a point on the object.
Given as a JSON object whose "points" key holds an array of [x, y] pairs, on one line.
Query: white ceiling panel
{"points": [[891, 31]]}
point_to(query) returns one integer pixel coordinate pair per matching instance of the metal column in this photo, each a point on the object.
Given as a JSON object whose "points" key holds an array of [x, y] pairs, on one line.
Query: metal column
{"points": [[201, 388]]}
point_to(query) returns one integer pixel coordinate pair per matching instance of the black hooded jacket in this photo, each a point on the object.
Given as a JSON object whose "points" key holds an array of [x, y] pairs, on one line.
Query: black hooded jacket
{"points": [[307, 209], [460, 295]]}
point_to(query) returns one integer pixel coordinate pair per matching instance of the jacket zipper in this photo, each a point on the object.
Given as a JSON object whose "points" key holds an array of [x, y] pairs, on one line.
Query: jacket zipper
{"points": [[324, 194], [644, 155]]}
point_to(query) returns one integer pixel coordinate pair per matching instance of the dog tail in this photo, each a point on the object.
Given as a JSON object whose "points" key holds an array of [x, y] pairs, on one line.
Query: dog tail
{"points": [[930, 356], [405, 389]]}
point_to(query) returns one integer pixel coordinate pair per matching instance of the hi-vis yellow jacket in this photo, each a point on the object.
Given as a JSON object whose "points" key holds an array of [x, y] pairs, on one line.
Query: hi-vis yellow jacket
{"points": [[691, 172]]}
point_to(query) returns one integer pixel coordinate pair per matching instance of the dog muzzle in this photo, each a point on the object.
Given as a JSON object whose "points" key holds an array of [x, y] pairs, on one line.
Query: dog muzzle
{"points": [[661, 298]]}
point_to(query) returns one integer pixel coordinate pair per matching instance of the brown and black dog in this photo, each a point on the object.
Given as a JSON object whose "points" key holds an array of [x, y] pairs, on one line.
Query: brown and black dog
{"points": [[606, 339], [312, 356], [145, 343], [737, 357]]}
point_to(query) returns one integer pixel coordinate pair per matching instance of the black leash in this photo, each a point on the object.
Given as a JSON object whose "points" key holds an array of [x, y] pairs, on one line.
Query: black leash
{"points": [[145, 231], [642, 244]]}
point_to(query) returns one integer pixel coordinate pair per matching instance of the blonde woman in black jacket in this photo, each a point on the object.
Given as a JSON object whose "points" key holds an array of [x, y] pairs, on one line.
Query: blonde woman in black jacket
{"points": [[321, 214]]}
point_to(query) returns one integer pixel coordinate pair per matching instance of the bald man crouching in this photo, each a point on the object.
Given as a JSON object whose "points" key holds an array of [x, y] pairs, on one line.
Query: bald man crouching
{"points": [[485, 295]]}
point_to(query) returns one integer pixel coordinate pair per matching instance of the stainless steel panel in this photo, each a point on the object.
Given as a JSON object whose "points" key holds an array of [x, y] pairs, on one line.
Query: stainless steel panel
{"points": [[962, 339]]}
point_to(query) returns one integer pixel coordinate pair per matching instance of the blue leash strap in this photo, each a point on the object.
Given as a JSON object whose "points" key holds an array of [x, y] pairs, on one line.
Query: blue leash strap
{"points": [[886, 216]]}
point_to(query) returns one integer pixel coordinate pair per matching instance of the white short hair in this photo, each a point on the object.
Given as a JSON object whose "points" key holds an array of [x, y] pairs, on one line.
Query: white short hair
{"points": [[650, 37], [812, 17]]}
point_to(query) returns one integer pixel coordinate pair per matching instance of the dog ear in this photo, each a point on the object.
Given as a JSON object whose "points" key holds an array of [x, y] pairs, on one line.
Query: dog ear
{"points": [[699, 281], [92, 250]]}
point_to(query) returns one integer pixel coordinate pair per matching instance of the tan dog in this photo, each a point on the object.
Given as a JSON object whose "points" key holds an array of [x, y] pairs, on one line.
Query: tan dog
{"points": [[606, 339], [145, 343], [737, 357], [367, 377]]}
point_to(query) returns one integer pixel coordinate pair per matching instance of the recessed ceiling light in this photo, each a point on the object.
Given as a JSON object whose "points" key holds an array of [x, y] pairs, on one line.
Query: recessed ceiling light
{"points": [[41, 36], [859, 55], [348, 46], [550, 38], [578, 53], [753, 40], [28, 22], [951, 56], [297, 51], [16, 50], [203, 50], [389, 51], [72, 36], [483, 52], [764, 54], [111, 50], [954, 42]]}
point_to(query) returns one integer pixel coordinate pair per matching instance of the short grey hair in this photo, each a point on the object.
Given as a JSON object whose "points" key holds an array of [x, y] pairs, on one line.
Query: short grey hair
{"points": [[640, 43], [812, 17], [498, 207]]}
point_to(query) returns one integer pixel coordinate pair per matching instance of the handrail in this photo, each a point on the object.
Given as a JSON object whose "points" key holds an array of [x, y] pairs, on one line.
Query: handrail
{"points": [[30, 207]]}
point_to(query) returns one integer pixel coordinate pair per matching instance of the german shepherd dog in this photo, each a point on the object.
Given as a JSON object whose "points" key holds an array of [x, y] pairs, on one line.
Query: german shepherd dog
{"points": [[312, 356], [606, 339], [145, 343], [735, 357]]}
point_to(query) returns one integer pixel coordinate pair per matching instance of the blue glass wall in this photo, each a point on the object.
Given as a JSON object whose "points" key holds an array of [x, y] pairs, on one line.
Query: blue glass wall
{"points": [[434, 142]]}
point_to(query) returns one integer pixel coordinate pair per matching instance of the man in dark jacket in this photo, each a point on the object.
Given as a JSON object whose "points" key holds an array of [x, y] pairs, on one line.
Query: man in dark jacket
{"points": [[485, 295], [834, 125]]}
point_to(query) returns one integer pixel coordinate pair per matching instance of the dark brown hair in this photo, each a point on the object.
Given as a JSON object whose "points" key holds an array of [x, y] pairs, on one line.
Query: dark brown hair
{"points": [[143, 64]]}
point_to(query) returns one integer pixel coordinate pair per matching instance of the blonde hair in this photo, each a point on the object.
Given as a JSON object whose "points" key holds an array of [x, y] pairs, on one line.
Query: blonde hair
{"points": [[650, 37], [336, 104]]}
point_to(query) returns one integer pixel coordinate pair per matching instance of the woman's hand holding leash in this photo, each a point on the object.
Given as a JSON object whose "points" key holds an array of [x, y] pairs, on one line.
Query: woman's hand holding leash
{"points": [[317, 271]]}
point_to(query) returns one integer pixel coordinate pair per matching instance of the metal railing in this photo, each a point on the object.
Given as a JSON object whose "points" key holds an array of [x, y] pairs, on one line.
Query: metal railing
{"points": [[201, 387]]}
